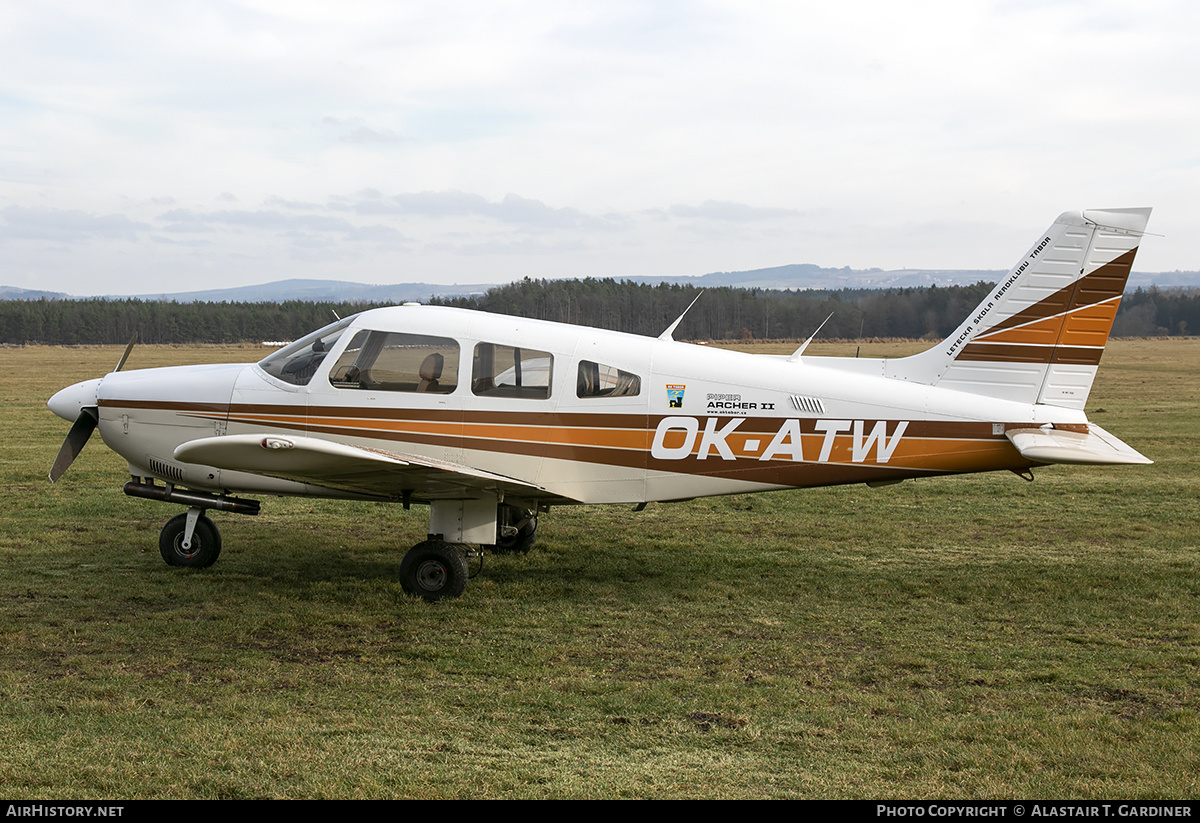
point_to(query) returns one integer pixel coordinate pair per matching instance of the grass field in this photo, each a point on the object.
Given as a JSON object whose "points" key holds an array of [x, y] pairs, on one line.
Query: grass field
{"points": [[952, 638]]}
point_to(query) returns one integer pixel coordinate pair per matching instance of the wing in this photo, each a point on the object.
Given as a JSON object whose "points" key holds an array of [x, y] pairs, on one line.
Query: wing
{"points": [[347, 468]]}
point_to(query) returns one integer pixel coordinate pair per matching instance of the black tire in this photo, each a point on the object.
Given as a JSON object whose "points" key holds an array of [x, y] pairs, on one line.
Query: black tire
{"points": [[434, 570], [206, 543], [526, 536]]}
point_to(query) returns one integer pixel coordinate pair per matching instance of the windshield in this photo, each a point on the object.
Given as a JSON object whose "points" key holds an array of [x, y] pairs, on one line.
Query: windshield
{"points": [[297, 363]]}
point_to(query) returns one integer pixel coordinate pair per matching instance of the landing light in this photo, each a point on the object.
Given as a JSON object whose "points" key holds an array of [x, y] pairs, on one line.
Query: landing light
{"points": [[277, 443]]}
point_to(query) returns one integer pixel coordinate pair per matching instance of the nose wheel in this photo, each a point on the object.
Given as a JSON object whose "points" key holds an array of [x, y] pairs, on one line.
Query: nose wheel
{"points": [[191, 540]]}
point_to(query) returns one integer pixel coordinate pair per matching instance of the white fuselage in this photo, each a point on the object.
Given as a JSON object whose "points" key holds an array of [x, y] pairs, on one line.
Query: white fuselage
{"points": [[701, 422]]}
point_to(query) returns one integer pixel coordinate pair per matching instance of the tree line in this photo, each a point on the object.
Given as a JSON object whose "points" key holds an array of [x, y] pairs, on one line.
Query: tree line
{"points": [[730, 313], [719, 313]]}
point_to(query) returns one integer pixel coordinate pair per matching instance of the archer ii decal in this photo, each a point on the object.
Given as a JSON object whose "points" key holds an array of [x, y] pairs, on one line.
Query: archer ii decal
{"points": [[677, 438]]}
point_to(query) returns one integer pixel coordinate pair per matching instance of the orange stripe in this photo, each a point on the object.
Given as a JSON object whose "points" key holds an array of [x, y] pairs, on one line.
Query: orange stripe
{"points": [[927, 447], [1043, 332], [1090, 325], [603, 438]]}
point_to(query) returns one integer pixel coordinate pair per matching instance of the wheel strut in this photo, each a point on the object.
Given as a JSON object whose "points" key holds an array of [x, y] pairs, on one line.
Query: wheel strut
{"points": [[189, 530]]}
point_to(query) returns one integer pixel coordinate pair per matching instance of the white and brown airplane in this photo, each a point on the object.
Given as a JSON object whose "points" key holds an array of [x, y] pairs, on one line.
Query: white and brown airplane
{"points": [[490, 420]]}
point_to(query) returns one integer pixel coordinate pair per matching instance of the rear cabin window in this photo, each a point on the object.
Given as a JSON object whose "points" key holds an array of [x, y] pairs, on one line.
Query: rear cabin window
{"points": [[396, 361], [510, 371], [599, 380]]}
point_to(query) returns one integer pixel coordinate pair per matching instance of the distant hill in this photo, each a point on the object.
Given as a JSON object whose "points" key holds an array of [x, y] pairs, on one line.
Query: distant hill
{"points": [[13, 293], [807, 276], [798, 277], [323, 290], [315, 291], [1163, 280]]}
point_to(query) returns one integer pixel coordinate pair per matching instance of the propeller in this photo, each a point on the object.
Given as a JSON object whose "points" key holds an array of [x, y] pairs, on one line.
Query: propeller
{"points": [[81, 396], [77, 438]]}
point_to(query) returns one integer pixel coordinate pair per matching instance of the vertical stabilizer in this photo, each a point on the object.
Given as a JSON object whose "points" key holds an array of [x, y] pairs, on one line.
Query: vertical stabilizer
{"points": [[1038, 336]]}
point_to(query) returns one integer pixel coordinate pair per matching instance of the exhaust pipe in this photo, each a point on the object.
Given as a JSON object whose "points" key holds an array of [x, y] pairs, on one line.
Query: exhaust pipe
{"points": [[200, 500]]}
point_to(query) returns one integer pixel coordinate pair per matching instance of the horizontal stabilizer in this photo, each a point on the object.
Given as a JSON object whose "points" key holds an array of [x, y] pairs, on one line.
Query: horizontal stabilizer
{"points": [[1095, 446]]}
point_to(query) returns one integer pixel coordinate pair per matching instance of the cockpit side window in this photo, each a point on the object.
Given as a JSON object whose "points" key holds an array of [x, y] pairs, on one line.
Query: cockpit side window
{"points": [[510, 371], [599, 380], [396, 361], [298, 362]]}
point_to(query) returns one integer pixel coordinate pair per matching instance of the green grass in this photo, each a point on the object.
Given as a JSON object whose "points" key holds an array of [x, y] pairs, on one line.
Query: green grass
{"points": [[960, 637]]}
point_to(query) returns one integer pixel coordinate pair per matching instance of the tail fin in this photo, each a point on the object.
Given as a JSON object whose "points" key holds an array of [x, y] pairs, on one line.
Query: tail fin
{"points": [[1038, 337]]}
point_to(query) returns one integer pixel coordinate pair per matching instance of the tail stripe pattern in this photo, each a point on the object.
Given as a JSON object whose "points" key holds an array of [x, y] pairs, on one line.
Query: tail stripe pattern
{"points": [[1070, 326], [1038, 337]]}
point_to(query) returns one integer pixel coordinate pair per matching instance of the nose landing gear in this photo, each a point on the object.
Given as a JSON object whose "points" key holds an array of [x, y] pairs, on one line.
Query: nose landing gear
{"points": [[191, 540]]}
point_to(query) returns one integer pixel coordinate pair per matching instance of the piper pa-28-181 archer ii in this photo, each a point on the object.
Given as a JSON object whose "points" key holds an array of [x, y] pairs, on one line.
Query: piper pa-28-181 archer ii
{"points": [[490, 420]]}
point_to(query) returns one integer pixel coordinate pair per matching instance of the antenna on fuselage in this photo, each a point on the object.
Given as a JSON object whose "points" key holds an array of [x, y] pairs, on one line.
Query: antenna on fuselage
{"points": [[795, 358], [666, 335]]}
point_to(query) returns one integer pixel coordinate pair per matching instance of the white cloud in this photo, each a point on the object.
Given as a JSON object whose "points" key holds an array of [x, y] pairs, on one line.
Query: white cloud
{"points": [[65, 225], [624, 138], [733, 212]]}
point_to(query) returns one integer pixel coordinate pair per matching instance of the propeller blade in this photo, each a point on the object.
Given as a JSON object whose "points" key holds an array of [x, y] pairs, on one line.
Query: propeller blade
{"points": [[77, 438], [125, 356]]}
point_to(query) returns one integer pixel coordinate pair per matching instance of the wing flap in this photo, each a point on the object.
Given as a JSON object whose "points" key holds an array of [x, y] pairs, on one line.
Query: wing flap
{"points": [[1095, 446], [344, 467]]}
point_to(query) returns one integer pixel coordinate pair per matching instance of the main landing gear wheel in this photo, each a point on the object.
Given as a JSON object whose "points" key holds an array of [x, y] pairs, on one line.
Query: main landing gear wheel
{"points": [[205, 547], [434, 570], [516, 531]]}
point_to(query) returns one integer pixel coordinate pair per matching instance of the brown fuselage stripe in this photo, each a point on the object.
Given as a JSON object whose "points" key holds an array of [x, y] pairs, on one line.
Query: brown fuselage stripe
{"points": [[638, 423], [927, 447], [921, 458]]}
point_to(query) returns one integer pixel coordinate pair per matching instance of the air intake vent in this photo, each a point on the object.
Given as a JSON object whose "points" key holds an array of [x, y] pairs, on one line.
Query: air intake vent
{"points": [[812, 405], [166, 471]]}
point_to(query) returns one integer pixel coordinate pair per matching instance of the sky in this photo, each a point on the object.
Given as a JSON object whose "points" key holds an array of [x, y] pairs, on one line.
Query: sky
{"points": [[150, 147]]}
